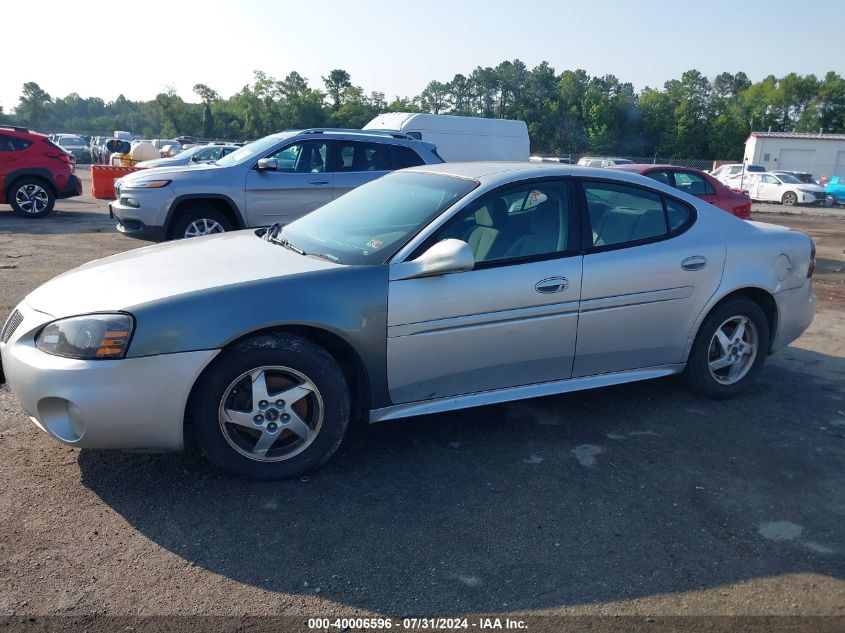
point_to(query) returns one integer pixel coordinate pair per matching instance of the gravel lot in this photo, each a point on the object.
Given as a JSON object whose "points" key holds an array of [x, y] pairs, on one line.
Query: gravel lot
{"points": [[639, 499]]}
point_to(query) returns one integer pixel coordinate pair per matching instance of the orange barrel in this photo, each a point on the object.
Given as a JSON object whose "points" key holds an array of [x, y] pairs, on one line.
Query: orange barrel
{"points": [[103, 177]]}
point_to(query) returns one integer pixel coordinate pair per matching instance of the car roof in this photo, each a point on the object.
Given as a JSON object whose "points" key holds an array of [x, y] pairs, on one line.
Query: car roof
{"points": [[502, 172]]}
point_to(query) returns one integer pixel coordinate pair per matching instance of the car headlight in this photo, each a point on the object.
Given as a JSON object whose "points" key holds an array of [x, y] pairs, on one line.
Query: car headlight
{"points": [[88, 337], [146, 184]]}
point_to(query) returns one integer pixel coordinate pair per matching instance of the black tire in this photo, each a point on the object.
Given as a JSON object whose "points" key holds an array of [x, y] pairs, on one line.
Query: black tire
{"points": [[789, 199], [217, 439], [206, 216], [31, 192], [697, 373]]}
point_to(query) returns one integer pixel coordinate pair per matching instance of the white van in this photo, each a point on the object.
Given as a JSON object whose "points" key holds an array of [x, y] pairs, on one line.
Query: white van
{"points": [[461, 138]]}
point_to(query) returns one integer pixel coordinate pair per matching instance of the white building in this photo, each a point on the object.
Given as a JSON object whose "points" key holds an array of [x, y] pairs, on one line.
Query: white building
{"points": [[817, 154]]}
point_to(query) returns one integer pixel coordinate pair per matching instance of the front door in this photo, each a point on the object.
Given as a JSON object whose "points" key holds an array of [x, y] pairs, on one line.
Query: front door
{"points": [[766, 187], [510, 321], [301, 184], [649, 270]]}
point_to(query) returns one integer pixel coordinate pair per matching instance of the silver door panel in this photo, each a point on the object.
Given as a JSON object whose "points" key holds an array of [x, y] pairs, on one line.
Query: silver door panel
{"points": [[638, 304], [284, 196], [480, 330]]}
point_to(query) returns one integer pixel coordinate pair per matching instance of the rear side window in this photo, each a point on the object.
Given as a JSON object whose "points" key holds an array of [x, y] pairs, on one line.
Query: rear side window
{"points": [[621, 214], [693, 184], [406, 157], [661, 176], [356, 156], [13, 144], [678, 214]]}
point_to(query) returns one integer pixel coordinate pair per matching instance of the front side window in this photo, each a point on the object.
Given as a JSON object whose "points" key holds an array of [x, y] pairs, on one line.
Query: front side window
{"points": [[372, 222], [526, 220], [769, 180], [621, 214], [693, 184], [308, 157]]}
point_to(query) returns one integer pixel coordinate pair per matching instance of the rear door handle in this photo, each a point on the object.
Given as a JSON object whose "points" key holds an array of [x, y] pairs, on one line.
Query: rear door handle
{"points": [[319, 182], [551, 285], [696, 262]]}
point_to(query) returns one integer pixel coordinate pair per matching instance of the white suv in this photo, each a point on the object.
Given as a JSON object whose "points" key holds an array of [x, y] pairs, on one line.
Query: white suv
{"points": [[278, 178]]}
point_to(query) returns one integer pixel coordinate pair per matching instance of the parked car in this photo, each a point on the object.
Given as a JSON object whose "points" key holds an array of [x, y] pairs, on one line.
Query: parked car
{"points": [[74, 145], [835, 189], [94, 149], [598, 161], [803, 176], [732, 175], [460, 138], [431, 289], [696, 183], [34, 171], [563, 160], [196, 155], [784, 188], [275, 179]]}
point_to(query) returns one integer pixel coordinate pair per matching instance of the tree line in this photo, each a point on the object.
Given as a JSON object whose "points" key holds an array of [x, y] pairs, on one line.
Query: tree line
{"points": [[567, 113]]}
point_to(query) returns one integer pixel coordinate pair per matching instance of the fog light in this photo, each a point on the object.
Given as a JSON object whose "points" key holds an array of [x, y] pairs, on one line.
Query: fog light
{"points": [[128, 201]]}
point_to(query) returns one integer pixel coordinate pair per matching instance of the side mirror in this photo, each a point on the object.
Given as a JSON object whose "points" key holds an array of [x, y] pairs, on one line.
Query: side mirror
{"points": [[447, 256], [266, 164]]}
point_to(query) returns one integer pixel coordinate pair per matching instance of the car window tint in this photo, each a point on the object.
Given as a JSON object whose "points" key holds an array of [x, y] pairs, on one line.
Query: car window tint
{"points": [[526, 220], [693, 184], [677, 213], [308, 157], [7, 144], [355, 156], [406, 157], [621, 214], [661, 176]]}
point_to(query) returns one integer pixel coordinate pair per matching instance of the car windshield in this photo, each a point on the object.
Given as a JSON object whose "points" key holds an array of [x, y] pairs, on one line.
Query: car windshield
{"points": [[72, 141], [369, 224], [188, 152], [250, 151], [789, 179]]}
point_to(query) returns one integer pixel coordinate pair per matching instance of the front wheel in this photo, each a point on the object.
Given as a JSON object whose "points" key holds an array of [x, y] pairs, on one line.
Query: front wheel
{"points": [[789, 199], [274, 406], [31, 198], [729, 350], [200, 221]]}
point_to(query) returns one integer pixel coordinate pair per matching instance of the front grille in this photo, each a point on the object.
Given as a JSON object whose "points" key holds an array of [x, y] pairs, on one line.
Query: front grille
{"points": [[820, 195], [11, 325]]}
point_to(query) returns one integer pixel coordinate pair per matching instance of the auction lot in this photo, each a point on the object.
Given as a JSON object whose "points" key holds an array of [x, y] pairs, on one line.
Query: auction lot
{"points": [[639, 499]]}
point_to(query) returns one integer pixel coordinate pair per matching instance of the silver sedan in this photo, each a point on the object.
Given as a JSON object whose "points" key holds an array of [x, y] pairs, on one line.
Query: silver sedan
{"points": [[431, 289]]}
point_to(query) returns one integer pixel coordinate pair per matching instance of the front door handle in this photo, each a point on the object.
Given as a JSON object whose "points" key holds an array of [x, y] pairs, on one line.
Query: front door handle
{"points": [[319, 182], [551, 285], [696, 262]]}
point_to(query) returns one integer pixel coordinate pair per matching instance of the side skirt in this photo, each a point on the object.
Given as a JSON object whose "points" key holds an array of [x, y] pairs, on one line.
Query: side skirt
{"points": [[509, 394]]}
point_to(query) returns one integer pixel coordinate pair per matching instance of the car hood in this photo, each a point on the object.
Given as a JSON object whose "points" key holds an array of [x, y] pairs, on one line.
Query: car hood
{"points": [[169, 171], [167, 270], [810, 188], [161, 162]]}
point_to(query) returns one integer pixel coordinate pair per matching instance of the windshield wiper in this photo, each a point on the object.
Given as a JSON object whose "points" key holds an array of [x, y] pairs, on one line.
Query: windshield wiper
{"points": [[327, 257]]}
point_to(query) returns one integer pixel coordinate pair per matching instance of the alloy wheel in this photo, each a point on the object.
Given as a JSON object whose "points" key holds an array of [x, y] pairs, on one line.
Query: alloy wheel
{"points": [[733, 350], [270, 414], [32, 198], [203, 226]]}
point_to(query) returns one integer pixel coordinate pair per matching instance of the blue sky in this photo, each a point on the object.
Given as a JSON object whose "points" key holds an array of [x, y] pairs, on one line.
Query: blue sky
{"points": [[398, 46]]}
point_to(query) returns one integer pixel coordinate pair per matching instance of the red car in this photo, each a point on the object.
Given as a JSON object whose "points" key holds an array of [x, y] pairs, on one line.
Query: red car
{"points": [[698, 184], [34, 172]]}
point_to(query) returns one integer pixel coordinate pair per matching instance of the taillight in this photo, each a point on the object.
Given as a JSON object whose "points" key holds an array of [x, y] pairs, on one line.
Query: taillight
{"points": [[743, 211], [812, 267]]}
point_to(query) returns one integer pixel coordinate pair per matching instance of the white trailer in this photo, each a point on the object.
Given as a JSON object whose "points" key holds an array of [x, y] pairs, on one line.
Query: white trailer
{"points": [[461, 138], [816, 154]]}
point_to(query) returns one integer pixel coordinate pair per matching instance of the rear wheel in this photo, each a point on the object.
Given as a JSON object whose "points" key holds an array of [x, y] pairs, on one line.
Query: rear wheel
{"points": [[729, 350], [200, 221], [275, 406], [31, 197], [789, 199]]}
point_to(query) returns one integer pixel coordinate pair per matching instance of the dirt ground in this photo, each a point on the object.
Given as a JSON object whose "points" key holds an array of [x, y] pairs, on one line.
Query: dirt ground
{"points": [[640, 499]]}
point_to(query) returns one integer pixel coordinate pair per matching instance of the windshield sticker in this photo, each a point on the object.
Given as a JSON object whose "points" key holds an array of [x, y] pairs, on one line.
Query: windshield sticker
{"points": [[375, 244]]}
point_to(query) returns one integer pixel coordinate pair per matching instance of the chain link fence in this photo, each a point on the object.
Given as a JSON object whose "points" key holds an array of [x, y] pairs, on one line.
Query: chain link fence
{"points": [[704, 164]]}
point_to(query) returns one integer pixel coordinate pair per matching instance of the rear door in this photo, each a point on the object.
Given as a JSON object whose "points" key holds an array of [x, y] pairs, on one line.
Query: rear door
{"points": [[649, 269], [300, 184]]}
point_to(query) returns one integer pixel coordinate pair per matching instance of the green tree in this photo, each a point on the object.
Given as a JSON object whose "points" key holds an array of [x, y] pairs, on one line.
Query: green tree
{"points": [[337, 81], [34, 105]]}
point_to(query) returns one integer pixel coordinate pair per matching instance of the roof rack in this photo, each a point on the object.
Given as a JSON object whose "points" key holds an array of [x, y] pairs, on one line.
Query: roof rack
{"points": [[390, 133], [16, 128]]}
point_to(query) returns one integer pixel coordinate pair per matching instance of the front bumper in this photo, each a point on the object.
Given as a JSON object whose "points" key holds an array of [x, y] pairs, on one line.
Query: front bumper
{"points": [[137, 229], [796, 309], [132, 403]]}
